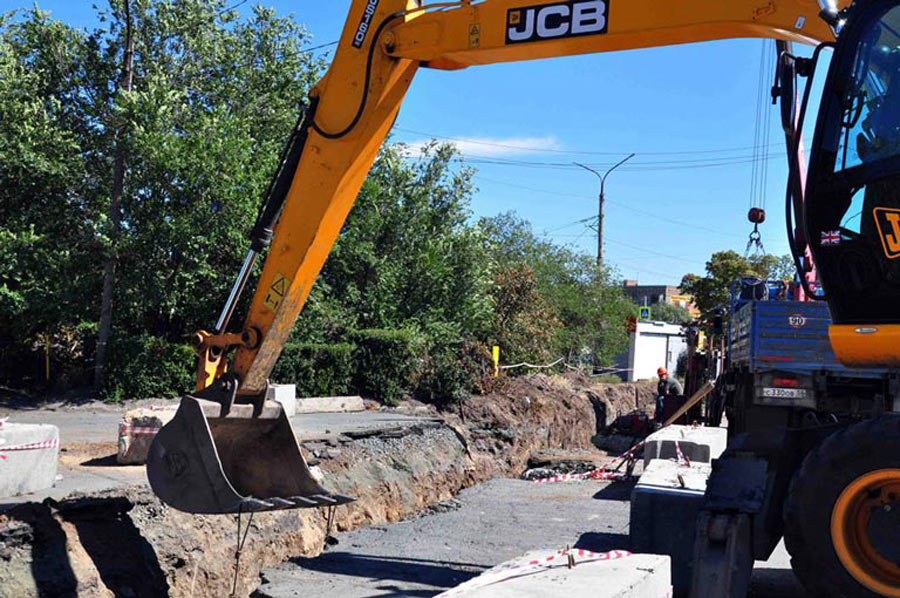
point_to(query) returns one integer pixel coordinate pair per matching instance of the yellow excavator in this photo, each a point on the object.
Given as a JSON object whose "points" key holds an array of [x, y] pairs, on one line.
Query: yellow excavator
{"points": [[825, 474]]}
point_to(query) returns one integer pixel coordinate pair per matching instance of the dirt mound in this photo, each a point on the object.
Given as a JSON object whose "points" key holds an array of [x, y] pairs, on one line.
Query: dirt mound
{"points": [[127, 543]]}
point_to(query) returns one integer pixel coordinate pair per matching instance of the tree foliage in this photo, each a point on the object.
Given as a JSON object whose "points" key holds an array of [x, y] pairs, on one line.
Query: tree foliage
{"points": [[212, 101], [412, 297], [724, 267], [673, 314], [567, 305]]}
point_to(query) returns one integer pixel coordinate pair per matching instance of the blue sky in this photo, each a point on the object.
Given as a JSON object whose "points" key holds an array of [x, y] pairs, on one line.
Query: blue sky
{"points": [[689, 113]]}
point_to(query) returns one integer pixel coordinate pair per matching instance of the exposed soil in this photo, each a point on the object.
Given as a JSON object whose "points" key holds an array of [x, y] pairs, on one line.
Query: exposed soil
{"points": [[126, 543]]}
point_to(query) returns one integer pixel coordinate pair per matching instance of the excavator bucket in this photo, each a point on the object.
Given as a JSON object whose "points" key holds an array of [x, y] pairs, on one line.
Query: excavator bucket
{"points": [[201, 462]]}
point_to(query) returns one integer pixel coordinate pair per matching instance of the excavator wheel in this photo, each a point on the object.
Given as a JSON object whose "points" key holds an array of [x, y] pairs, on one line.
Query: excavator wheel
{"points": [[842, 514]]}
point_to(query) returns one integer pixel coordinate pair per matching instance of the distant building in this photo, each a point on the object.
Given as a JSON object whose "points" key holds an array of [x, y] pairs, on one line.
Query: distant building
{"points": [[649, 294]]}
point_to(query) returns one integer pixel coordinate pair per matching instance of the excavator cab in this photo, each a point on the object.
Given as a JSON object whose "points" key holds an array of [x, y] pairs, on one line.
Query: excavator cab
{"points": [[852, 198]]}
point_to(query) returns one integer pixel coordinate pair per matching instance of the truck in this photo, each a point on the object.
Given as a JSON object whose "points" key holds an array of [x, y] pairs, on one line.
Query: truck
{"points": [[779, 354], [794, 414]]}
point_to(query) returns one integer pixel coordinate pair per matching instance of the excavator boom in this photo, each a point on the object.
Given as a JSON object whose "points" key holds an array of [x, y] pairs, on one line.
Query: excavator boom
{"points": [[229, 449]]}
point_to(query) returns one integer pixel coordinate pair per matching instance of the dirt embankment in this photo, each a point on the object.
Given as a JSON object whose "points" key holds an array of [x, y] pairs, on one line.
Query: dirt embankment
{"points": [[126, 543]]}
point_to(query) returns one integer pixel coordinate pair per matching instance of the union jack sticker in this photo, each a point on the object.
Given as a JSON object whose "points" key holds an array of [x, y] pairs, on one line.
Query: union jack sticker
{"points": [[830, 237]]}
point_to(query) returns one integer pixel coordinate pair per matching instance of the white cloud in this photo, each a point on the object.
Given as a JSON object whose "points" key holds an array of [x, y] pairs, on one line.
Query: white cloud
{"points": [[492, 147]]}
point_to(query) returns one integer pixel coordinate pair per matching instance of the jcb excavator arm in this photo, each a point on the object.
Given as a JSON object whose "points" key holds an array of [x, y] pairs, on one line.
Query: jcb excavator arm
{"points": [[228, 449], [383, 43]]}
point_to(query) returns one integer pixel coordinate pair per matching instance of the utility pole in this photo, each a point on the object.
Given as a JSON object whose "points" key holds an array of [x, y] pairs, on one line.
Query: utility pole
{"points": [[601, 198]]}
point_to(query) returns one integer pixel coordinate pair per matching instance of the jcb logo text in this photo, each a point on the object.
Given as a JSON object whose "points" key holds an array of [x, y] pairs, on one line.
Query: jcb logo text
{"points": [[888, 222], [556, 20]]}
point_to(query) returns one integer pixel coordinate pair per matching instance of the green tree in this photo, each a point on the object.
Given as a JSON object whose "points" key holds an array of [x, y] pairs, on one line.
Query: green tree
{"points": [[406, 257], [724, 267], [674, 314], [587, 307], [212, 100]]}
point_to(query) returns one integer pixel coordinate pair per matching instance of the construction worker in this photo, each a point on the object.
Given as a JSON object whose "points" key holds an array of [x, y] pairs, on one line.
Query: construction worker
{"points": [[666, 387]]}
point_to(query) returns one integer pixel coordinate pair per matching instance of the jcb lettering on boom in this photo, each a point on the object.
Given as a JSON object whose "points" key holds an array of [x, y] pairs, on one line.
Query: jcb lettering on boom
{"points": [[556, 20]]}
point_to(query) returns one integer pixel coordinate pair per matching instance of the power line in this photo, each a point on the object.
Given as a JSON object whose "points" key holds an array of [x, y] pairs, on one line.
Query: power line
{"points": [[617, 203], [319, 47], [656, 253], [569, 152], [637, 167]]}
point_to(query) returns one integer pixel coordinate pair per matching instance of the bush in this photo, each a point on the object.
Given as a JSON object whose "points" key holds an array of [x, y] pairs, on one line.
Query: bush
{"points": [[385, 361], [318, 370], [450, 373], [146, 366]]}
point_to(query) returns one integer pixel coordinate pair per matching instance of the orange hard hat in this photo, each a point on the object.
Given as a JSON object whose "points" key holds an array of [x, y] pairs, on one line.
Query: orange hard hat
{"points": [[662, 372]]}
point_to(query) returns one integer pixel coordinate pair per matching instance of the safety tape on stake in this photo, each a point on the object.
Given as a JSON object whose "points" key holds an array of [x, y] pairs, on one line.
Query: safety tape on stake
{"points": [[559, 559], [682, 459], [31, 446]]}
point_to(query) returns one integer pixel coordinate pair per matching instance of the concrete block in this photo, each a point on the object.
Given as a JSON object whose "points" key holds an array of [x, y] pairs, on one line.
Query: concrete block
{"points": [[699, 444], [137, 430], [664, 514], [28, 457], [286, 394], [330, 404], [545, 573]]}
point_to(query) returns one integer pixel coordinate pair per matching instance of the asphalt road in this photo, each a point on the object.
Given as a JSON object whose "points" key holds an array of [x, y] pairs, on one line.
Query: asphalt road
{"points": [[97, 422], [93, 468], [491, 523]]}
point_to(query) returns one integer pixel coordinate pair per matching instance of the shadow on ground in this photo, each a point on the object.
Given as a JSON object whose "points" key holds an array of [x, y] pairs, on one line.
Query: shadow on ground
{"points": [[125, 561], [617, 490], [442, 574], [603, 542], [107, 461]]}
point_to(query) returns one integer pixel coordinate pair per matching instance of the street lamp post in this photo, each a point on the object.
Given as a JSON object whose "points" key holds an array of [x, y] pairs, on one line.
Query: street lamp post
{"points": [[601, 198]]}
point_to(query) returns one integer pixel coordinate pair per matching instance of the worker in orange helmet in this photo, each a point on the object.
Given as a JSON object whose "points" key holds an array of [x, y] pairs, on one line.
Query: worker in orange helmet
{"points": [[666, 387]]}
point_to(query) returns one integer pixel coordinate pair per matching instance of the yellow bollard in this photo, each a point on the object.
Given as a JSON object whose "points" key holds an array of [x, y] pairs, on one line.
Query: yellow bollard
{"points": [[496, 353]]}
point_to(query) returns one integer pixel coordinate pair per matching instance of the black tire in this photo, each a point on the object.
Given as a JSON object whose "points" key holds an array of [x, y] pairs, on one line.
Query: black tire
{"points": [[838, 461]]}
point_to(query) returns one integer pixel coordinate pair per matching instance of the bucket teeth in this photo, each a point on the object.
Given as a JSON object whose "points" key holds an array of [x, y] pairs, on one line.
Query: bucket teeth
{"points": [[342, 499], [251, 504], [281, 503], [323, 499], [302, 501]]}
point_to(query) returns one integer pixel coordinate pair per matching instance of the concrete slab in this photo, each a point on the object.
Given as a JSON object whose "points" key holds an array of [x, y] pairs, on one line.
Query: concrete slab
{"points": [[330, 405], [664, 508], [699, 444], [137, 430], [286, 394], [546, 573], [28, 457]]}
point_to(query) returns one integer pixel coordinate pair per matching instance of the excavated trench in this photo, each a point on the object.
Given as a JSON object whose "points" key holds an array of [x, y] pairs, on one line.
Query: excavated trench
{"points": [[126, 543]]}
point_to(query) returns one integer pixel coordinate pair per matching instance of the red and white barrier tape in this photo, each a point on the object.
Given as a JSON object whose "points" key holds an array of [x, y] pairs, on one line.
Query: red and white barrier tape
{"points": [[31, 446], [596, 474], [559, 559], [126, 430]]}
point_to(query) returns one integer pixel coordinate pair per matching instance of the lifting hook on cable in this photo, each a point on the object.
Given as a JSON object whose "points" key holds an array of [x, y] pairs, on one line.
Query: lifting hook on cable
{"points": [[757, 216]]}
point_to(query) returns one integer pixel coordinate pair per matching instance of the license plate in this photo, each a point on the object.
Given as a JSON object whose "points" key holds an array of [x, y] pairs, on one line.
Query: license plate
{"points": [[785, 393]]}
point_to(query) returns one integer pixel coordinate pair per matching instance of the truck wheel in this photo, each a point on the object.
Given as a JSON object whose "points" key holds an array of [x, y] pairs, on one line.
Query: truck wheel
{"points": [[842, 514]]}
